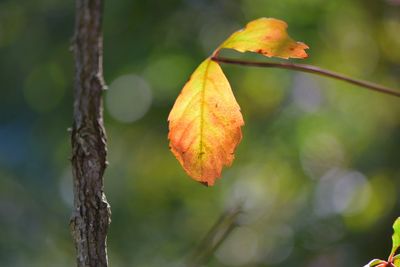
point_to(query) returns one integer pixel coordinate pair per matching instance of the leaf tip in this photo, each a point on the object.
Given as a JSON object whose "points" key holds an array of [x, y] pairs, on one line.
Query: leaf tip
{"points": [[207, 183]]}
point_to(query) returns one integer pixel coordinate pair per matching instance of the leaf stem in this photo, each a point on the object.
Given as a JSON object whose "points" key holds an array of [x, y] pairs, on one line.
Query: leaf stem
{"points": [[311, 69]]}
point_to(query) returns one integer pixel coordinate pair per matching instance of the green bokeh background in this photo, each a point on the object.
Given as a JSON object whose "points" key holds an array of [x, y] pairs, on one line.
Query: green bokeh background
{"points": [[318, 169]]}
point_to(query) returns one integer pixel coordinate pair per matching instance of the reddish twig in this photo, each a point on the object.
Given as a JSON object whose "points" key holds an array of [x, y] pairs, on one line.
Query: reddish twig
{"points": [[311, 69]]}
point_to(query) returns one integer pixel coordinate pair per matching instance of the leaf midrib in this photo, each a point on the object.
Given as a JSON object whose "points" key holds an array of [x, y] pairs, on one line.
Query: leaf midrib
{"points": [[202, 98]]}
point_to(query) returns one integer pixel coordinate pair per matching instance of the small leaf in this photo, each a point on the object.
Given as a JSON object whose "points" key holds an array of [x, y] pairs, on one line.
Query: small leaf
{"points": [[204, 124], [395, 237], [396, 260], [266, 36], [375, 263]]}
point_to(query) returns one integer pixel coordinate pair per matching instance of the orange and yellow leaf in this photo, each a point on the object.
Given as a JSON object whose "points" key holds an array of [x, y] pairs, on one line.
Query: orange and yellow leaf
{"points": [[266, 36], [204, 124]]}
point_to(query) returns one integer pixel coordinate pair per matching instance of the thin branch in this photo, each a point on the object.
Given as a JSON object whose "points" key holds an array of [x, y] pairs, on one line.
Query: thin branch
{"points": [[214, 237], [314, 70], [91, 215]]}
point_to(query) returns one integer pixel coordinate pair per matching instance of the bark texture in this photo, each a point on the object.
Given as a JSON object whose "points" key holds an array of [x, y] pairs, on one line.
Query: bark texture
{"points": [[91, 215]]}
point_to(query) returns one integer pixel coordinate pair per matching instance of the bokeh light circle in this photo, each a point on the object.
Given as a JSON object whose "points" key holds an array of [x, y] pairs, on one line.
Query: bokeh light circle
{"points": [[129, 98]]}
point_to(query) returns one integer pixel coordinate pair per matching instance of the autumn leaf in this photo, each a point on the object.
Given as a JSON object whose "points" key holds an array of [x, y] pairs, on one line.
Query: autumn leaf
{"points": [[204, 124], [266, 36], [205, 121]]}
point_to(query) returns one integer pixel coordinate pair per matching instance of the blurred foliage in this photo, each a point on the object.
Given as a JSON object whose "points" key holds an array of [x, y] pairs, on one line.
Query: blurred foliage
{"points": [[318, 169]]}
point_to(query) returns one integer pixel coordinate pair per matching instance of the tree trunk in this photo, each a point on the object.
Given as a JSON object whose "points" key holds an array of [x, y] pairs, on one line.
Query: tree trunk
{"points": [[91, 215]]}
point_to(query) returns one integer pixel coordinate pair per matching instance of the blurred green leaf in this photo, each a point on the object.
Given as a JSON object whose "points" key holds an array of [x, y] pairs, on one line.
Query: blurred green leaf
{"points": [[374, 262], [395, 237]]}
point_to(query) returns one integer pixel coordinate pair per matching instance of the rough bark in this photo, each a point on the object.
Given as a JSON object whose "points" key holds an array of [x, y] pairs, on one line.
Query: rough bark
{"points": [[91, 215]]}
